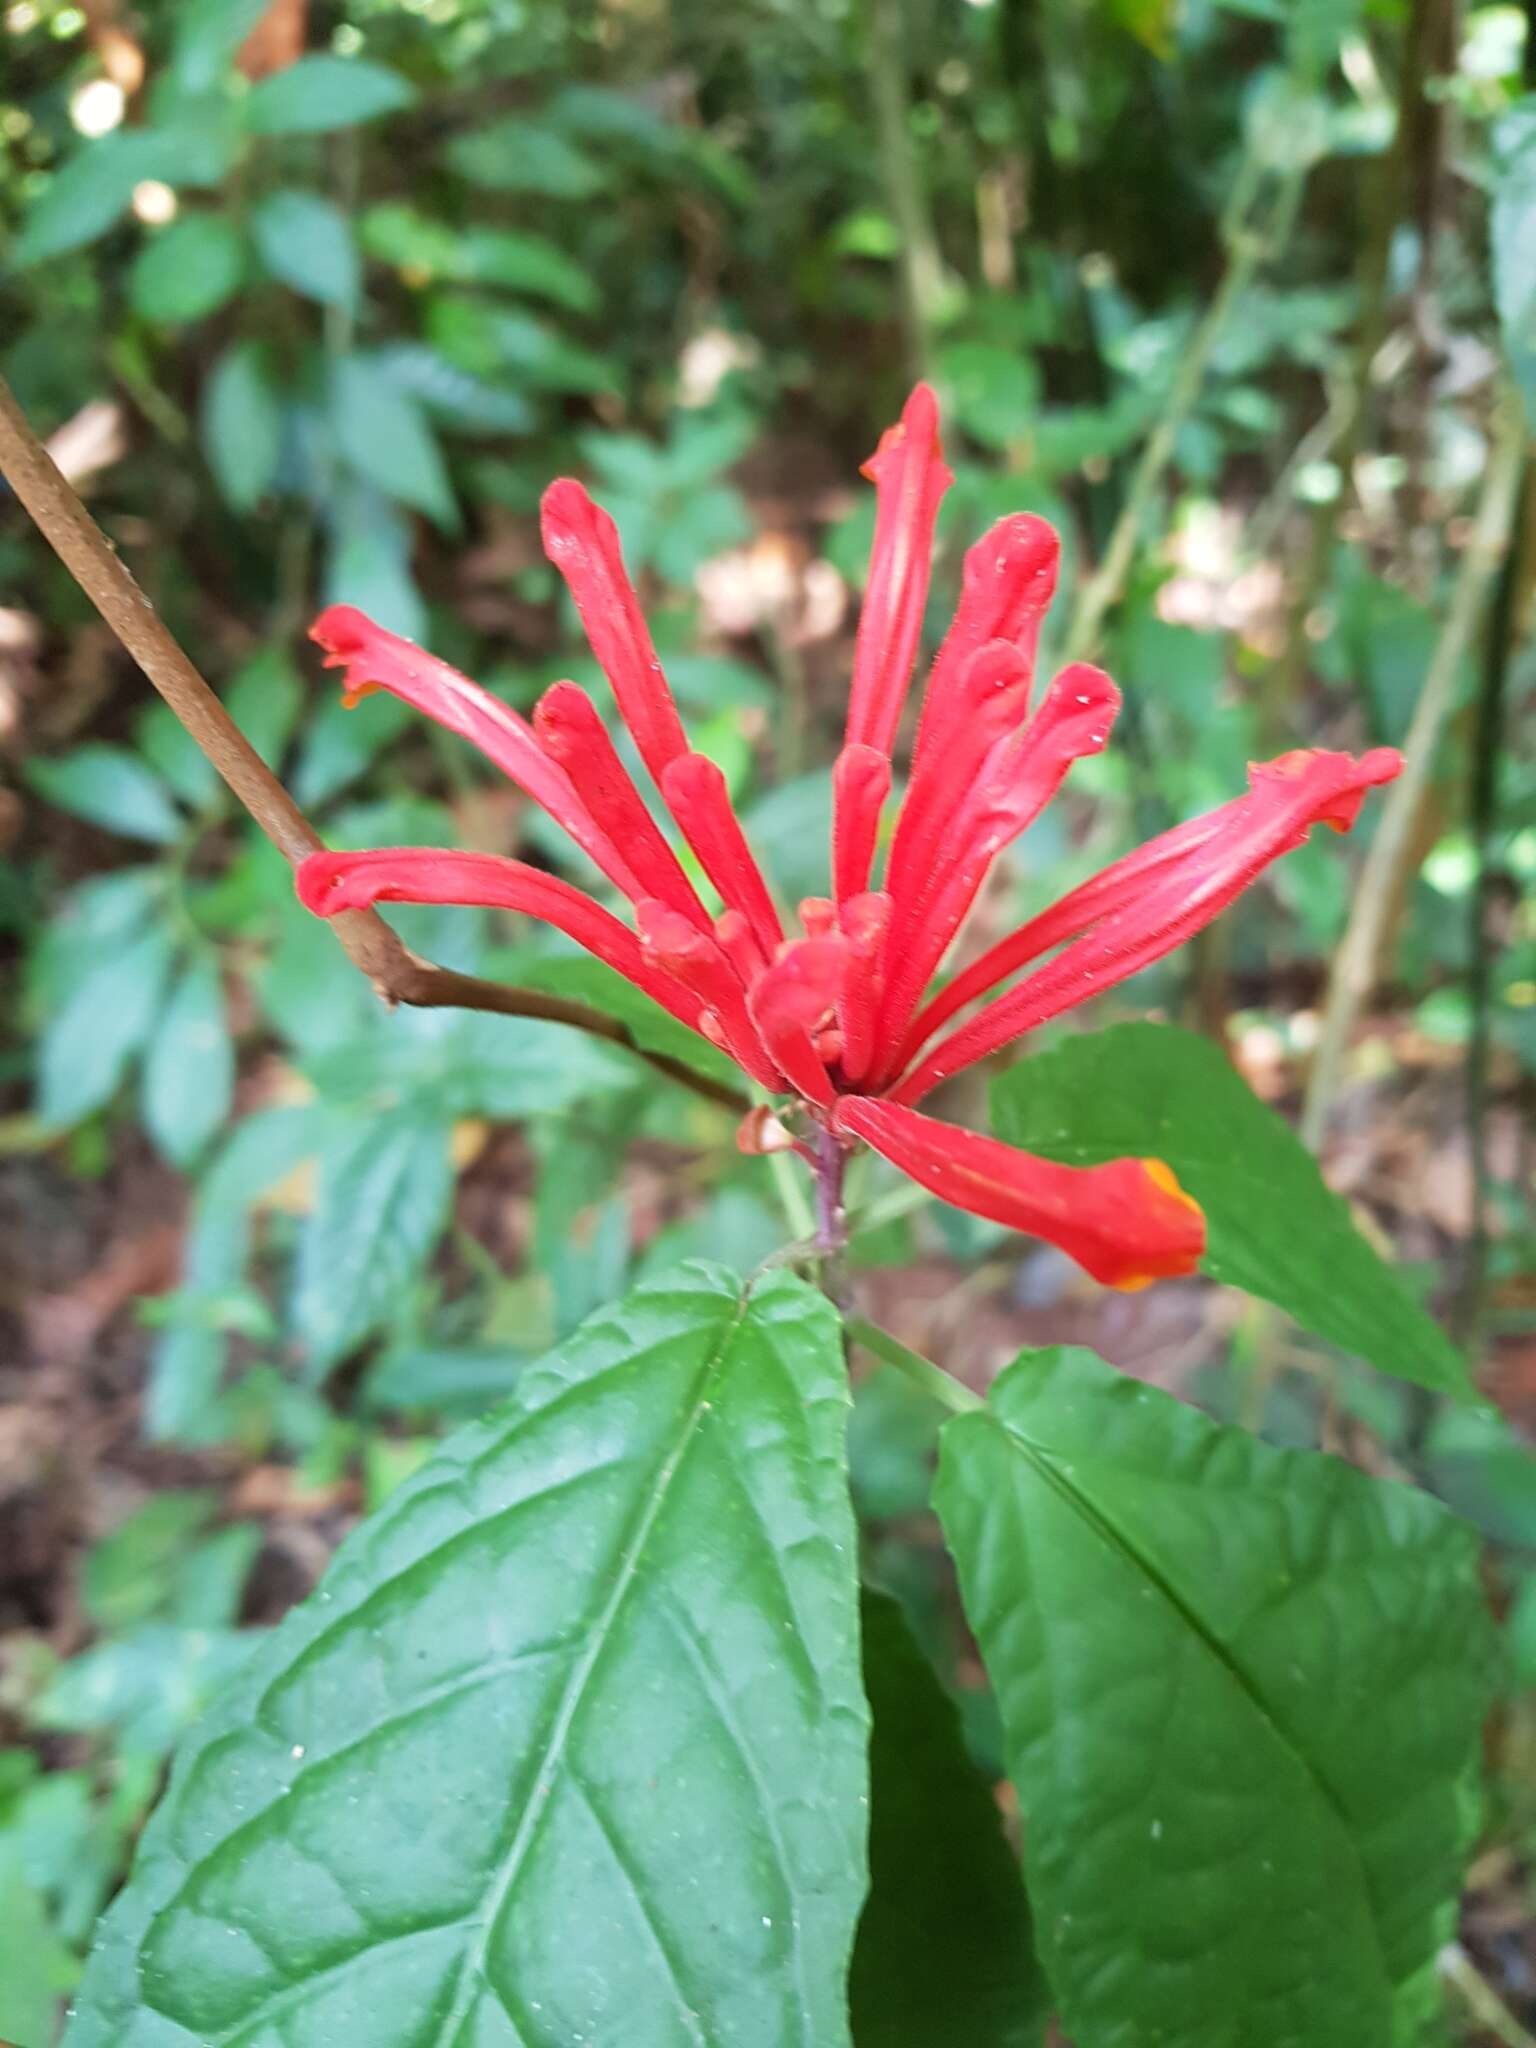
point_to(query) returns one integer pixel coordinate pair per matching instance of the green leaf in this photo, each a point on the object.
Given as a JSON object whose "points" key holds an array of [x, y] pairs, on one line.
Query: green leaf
{"points": [[110, 787], [384, 1190], [35, 1967], [87, 1044], [189, 1069], [369, 565], [1242, 1690], [187, 270], [944, 1952], [1274, 1227], [569, 1743], [171, 751], [517, 155], [208, 33], [242, 422], [85, 196], [265, 700], [306, 242], [322, 92], [383, 436], [596, 984], [525, 263]]}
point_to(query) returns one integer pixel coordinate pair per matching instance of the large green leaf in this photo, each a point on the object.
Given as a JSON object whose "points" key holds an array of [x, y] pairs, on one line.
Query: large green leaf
{"points": [[105, 1018], [944, 1952], [1274, 1227], [1242, 1690], [569, 1745]]}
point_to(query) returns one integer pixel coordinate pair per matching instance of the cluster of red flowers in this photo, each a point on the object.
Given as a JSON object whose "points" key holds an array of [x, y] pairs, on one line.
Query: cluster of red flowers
{"points": [[840, 1015]]}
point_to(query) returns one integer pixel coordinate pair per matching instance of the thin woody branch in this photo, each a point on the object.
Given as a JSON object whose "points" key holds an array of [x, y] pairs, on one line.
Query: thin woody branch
{"points": [[397, 974]]}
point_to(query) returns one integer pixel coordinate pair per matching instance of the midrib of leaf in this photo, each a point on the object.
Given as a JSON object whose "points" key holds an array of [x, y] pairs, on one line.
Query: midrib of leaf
{"points": [[472, 1977], [1062, 1485]]}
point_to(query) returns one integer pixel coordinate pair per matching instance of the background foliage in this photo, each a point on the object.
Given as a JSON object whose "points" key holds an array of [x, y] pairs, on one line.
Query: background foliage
{"points": [[313, 301]]}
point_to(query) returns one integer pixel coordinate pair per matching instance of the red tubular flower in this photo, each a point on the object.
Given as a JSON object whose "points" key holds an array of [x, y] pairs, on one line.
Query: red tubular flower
{"points": [[837, 1018]]}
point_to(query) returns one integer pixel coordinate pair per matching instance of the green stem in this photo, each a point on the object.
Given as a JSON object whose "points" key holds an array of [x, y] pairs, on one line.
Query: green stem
{"points": [[919, 271], [922, 1372], [1480, 1998], [1354, 965], [1102, 589]]}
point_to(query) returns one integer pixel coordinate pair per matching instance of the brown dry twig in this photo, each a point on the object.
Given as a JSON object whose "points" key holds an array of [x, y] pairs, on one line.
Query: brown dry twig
{"points": [[398, 975]]}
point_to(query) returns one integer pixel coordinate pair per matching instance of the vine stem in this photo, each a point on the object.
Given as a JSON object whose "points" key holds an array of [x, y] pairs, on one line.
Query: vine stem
{"points": [[1480, 1998], [397, 974], [922, 1372], [1354, 965]]}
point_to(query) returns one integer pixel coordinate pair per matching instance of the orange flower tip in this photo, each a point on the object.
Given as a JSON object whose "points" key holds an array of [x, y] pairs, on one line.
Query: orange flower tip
{"points": [[760, 1131], [1183, 1223]]}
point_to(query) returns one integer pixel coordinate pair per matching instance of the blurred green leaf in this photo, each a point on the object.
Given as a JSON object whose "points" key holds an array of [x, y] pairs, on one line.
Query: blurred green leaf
{"points": [[591, 981], [459, 1383], [1243, 1690], [452, 395], [382, 434], [381, 1204], [1273, 1225], [36, 1969], [171, 751], [208, 33], [995, 392], [109, 786], [306, 242], [242, 424], [370, 566], [640, 1795], [187, 270], [189, 1065], [265, 699], [86, 1045], [323, 92], [145, 1687], [518, 155], [91, 192], [129, 1574], [944, 1952]]}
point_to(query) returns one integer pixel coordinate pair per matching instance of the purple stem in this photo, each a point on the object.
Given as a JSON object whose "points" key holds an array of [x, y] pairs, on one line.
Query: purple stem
{"points": [[831, 1164]]}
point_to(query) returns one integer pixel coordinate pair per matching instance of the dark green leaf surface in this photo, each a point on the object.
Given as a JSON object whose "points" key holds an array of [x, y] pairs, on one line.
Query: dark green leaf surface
{"points": [[569, 1746], [1275, 1228], [944, 1951], [323, 92], [1242, 1689]]}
